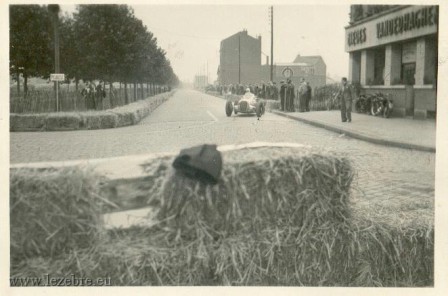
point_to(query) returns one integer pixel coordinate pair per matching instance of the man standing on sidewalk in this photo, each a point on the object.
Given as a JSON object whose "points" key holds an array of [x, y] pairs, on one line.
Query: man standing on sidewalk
{"points": [[282, 96], [289, 96], [345, 96]]}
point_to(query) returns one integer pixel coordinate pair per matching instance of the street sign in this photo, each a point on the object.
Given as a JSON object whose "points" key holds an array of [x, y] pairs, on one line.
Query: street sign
{"points": [[57, 77]]}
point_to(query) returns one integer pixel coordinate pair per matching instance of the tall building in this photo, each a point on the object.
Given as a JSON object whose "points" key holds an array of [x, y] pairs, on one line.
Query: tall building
{"points": [[240, 59], [200, 81], [312, 68], [394, 50]]}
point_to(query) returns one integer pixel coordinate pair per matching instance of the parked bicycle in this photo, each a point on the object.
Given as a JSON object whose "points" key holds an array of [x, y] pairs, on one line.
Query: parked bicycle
{"points": [[374, 104], [363, 104], [381, 106]]}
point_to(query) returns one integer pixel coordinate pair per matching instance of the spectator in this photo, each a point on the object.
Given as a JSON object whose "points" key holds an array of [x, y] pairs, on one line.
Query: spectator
{"points": [[100, 93], [282, 95], [308, 97], [289, 96], [344, 94], [274, 91], [302, 95]]}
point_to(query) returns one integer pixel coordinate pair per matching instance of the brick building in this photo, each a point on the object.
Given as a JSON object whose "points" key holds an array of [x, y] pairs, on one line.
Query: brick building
{"points": [[394, 50], [312, 68], [240, 59]]}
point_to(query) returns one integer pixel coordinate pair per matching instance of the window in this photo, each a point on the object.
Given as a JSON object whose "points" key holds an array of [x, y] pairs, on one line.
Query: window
{"points": [[379, 61], [408, 73], [408, 59]]}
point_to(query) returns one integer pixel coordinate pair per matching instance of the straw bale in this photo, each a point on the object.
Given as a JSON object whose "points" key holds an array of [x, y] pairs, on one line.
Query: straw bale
{"points": [[98, 120], [293, 187], [278, 216], [27, 122], [53, 211], [62, 121]]}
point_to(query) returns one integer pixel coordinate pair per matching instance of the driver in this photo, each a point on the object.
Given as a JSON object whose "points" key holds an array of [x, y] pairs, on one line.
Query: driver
{"points": [[249, 96]]}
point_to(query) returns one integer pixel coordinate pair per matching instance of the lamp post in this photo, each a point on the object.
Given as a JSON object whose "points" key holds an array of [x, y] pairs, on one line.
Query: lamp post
{"points": [[54, 10]]}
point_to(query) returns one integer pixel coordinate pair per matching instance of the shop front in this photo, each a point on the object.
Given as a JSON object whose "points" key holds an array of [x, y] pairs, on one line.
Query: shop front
{"points": [[395, 52]]}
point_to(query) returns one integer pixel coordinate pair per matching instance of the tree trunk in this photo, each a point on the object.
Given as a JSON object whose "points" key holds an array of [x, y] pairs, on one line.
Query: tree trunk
{"points": [[126, 99], [18, 81], [135, 92], [76, 92], [25, 84], [141, 87], [111, 99]]}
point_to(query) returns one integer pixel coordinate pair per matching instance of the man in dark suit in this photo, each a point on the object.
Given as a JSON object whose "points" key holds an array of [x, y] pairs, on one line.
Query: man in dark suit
{"points": [[345, 96], [289, 96], [282, 96]]}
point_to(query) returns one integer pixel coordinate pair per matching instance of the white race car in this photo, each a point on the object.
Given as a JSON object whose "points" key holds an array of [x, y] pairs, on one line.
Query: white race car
{"points": [[248, 104]]}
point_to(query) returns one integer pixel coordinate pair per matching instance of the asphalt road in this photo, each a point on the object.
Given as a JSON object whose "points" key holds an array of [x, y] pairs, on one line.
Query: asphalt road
{"points": [[190, 118]]}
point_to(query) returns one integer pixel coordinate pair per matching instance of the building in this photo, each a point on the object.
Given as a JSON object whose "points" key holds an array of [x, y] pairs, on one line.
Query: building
{"points": [[394, 50], [200, 81], [240, 59], [312, 68]]}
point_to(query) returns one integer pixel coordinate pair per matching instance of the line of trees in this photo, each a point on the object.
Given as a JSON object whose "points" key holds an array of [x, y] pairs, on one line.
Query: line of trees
{"points": [[98, 42]]}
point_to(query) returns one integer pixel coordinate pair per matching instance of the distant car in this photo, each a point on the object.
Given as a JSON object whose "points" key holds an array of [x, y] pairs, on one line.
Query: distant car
{"points": [[247, 104]]}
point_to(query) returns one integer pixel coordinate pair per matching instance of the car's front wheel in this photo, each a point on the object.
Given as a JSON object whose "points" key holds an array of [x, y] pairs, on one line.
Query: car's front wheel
{"points": [[229, 108]]}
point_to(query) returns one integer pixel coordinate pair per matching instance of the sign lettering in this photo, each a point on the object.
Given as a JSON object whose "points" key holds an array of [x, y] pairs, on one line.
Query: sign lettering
{"points": [[412, 20], [357, 37], [57, 77]]}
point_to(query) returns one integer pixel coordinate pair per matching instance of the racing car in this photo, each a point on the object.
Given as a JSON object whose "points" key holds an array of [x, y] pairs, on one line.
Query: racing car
{"points": [[247, 104]]}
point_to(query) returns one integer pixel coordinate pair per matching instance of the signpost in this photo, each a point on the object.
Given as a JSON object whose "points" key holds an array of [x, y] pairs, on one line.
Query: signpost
{"points": [[56, 77]]}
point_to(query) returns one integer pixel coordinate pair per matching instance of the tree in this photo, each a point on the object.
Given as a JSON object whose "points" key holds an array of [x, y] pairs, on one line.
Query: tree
{"points": [[30, 41]]}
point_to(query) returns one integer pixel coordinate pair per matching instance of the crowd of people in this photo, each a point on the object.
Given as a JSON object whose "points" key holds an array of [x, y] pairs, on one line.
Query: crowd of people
{"points": [[94, 95], [285, 93]]}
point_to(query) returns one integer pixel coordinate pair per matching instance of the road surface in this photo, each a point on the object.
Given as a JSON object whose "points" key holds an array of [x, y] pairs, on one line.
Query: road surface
{"points": [[191, 118]]}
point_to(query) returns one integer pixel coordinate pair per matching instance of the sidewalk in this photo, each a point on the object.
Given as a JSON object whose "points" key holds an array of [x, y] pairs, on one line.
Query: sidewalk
{"points": [[397, 132]]}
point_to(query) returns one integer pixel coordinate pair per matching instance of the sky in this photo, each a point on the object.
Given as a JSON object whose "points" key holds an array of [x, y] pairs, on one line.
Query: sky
{"points": [[191, 34]]}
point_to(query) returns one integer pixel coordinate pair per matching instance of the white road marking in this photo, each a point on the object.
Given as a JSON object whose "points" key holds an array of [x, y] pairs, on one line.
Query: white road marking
{"points": [[212, 116]]}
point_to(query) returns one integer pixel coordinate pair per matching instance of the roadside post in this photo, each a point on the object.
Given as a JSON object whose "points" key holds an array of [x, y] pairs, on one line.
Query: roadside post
{"points": [[56, 77]]}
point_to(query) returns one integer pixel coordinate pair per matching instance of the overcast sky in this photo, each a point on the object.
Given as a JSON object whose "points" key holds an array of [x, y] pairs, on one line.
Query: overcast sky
{"points": [[191, 34]]}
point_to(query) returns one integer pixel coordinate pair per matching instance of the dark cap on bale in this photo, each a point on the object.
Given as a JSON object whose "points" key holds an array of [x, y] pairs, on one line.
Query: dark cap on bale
{"points": [[203, 163]]}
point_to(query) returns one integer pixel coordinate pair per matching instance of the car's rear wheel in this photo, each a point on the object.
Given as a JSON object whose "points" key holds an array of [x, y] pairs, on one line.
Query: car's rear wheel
{"points": [[229, 108]]}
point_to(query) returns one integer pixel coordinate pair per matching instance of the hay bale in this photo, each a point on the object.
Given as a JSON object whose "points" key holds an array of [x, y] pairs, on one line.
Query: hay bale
{"points": [[125, 117], [398, 234], [295, 187], [98, 120], [53, 211], [27, 122], [62, 121], [278, 216]]}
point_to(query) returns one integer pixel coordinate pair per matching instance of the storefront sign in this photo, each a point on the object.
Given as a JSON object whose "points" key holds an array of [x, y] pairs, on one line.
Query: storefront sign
{"points": [[357, 37], [405, 23], [426, 16]]}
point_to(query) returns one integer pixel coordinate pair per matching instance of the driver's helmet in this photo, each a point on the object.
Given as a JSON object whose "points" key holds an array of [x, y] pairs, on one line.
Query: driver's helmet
{"points": [[247, 90]]}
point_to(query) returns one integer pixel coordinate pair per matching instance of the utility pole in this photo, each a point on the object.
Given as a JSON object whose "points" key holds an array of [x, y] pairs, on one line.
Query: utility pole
{"points": [[272, 42], [54, 9], [239, 58]]}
